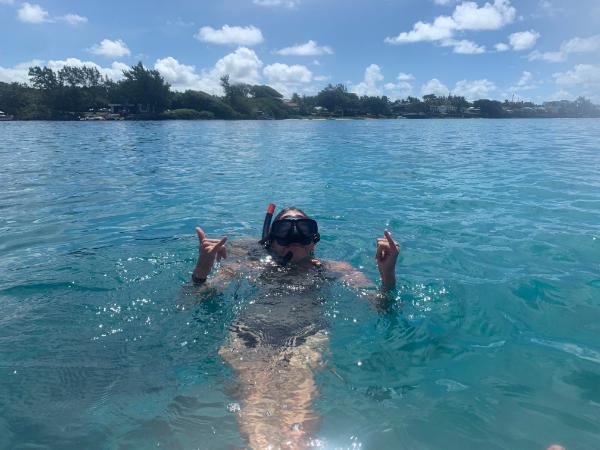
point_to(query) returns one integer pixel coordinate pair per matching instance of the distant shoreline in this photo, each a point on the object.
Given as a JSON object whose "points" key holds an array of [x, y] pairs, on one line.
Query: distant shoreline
{"points": [[313, 119]]}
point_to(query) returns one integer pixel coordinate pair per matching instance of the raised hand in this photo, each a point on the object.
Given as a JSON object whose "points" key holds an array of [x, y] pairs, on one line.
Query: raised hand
{"points": [[386, 256], [209, 251]]}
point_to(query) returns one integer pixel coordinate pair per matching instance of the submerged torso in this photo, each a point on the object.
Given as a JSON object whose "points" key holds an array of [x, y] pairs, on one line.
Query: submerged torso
{"points": [[286, 305]]}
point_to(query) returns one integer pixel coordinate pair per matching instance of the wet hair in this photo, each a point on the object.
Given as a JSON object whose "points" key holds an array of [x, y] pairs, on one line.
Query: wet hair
{"points": [[284, 211]]}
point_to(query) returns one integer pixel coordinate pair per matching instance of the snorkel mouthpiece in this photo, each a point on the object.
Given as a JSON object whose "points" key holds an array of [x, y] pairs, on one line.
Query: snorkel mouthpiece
{"points": [[287, 258]]}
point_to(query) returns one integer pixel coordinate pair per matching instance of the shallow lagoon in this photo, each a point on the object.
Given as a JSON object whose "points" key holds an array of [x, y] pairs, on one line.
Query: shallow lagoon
{"points": [[492, 343]]}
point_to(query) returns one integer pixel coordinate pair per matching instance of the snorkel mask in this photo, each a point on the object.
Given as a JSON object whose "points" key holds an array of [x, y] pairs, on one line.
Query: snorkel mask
{"points": [[287, 231], [294, 230]]}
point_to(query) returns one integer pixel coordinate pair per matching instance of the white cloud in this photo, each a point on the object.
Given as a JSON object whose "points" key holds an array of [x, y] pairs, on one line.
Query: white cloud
{"points": [[369, 84], [242, 66], [525, 79], [180, 76], [474, 90], [287, 79], [18, 73], [502, 47], [282, 73], [286, 3], [589, 44], [74, 19], [441, 28], [469, 16], [525, 82], [310, 48], [395, 91], [227, 35], [466, 16], [584, 77], [434, 86], [405, 76], [111, 49], [523, 40], [464, 46], [29, 13], [444, 2]]}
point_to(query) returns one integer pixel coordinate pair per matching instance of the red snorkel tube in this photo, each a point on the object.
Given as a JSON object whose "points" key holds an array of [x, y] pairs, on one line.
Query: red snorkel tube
{"points": [[267, 223]]}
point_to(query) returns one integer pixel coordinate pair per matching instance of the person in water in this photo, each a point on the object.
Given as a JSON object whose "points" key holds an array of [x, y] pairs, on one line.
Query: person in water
{"points": [[277, 342]]}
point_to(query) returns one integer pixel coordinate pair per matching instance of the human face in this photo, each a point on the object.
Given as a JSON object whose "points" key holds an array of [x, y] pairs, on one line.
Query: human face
{"points": [[299, 252]]}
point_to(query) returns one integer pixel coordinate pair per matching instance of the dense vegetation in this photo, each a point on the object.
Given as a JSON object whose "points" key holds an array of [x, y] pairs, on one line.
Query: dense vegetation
{"points": [[72, 93]]}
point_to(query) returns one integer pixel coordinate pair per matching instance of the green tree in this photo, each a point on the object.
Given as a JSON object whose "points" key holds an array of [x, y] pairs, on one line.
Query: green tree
{"points": [[43, 78], [201, 101], [142, 86], [489, 108]]}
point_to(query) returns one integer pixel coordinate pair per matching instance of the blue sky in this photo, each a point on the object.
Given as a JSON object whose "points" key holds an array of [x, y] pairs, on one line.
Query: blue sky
{"points": [[536, 49]]}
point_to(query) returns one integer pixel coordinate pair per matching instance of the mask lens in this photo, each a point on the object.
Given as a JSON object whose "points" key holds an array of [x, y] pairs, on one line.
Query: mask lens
{"points": [[307, 227], [281, 228]]}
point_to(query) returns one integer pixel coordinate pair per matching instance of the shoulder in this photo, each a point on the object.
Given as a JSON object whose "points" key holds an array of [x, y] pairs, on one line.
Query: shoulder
{"points": [[338, 266]]}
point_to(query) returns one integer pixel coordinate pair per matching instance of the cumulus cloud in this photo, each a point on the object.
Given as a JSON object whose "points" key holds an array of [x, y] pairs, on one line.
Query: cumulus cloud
{"points": [[285, 3], [287, 79], [467, 16], [441, 28], [29, 13], [589, 44], [474, 90], [434, 86], [523, 40], [227, 35], [401, 89], [242, 66], [464, 46], [180, 76], [502, 47], [282, 73], [525, 82], [444, 2], [73, 19], [310, 48], [585, 75], [18, 73], [111, 49], [402, 76], [369, 85], [585, 78]]}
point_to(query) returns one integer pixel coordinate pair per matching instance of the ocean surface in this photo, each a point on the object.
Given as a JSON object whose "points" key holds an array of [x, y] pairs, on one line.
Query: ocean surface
{"points": [[492, 340]]}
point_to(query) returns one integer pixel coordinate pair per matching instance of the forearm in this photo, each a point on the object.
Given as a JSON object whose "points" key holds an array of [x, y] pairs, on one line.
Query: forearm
{"points": [[388, 280], [202, 270]]}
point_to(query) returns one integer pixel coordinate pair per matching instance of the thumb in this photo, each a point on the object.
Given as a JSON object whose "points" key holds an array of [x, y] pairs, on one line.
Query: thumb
{"points": [[200, 233], [221, 243]]}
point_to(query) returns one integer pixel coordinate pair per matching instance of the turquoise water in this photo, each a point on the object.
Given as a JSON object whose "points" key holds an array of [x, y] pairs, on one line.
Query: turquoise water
{"points": [[492, 341]]}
